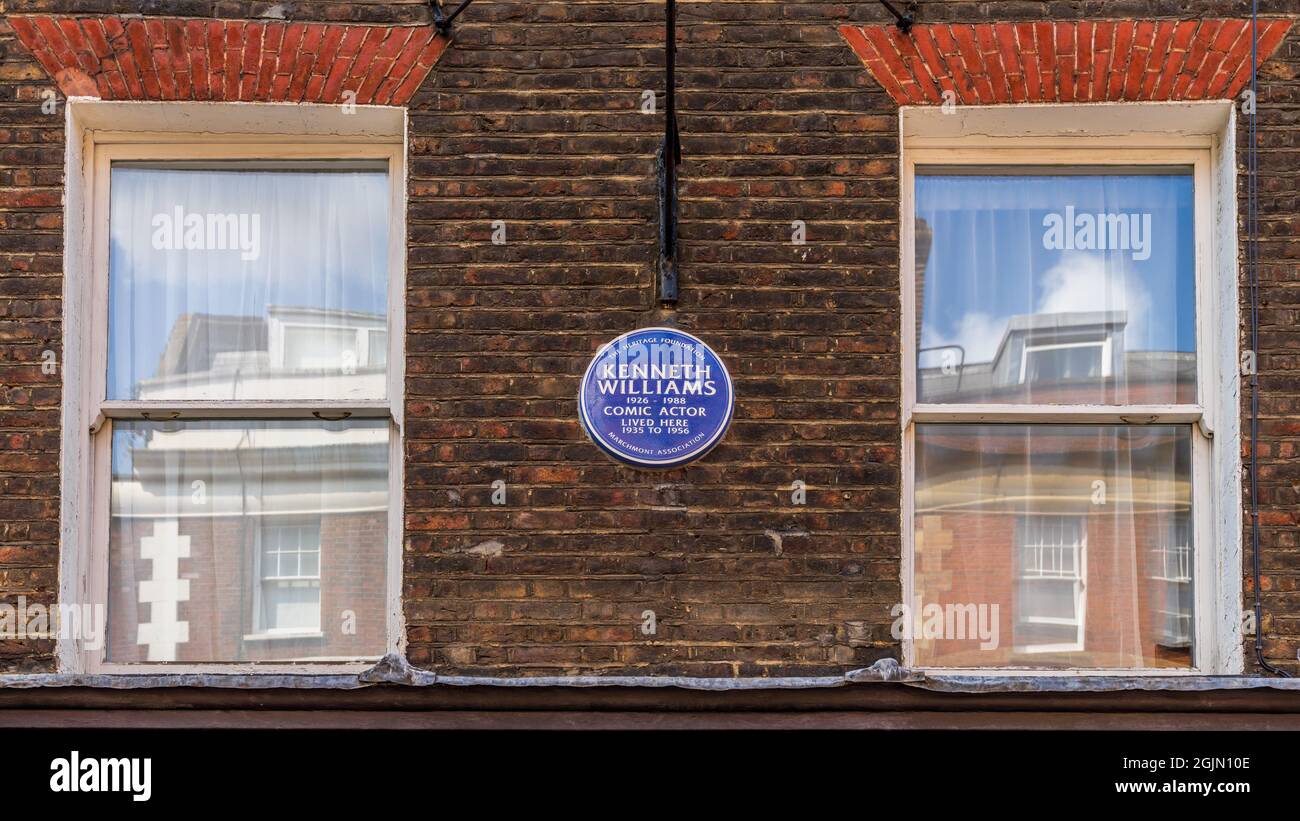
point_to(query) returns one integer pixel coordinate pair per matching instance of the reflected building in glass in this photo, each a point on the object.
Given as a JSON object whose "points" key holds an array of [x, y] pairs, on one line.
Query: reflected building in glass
{"points": [[1080, 534], [253, 540]]}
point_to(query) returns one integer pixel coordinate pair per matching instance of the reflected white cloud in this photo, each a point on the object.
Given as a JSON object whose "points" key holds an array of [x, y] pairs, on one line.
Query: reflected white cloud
{"points": [[1082, 281], [977, 334], [227, 280], [1095, 281]]}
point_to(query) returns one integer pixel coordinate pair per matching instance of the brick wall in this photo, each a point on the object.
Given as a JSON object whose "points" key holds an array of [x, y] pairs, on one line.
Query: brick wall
{"points": [[533, 117], [31, 262]]}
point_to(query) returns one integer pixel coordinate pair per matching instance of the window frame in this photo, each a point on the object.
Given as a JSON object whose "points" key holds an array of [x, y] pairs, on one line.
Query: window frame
{"points": [[1196, 135], [100, 133]]}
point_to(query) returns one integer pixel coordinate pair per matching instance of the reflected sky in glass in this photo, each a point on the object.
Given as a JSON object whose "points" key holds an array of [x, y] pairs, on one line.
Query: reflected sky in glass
{"points": [[1055, 286], [208, 265]]}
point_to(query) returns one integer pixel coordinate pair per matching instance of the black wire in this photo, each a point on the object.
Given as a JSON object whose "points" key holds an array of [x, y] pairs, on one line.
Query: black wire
{"points": [[1252, 267], [672, 148], [443, 21], [903, 21], [669, 156]]}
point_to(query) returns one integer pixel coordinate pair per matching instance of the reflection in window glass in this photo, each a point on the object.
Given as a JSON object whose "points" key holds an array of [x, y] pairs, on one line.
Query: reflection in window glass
{"points": [[243, 281], [320, 349], [1055, 287], [1173, 569], [290, 575], [1071, 544], [1049, 364], [248, 541], [377, 349], [1049, 612]]}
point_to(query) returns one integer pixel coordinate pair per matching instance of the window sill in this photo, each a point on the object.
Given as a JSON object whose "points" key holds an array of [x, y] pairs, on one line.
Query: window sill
{"points": [[284, 636], [944, 683], [394, 669]]}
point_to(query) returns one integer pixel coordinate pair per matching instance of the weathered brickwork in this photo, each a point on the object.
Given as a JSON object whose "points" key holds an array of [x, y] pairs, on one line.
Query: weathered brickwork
{"points": [[116, 58], [1064, 62], [31, 264], [533, 117], [1278, 359]]}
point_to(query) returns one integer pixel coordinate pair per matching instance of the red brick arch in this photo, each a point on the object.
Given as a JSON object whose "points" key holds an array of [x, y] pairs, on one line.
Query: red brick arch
{"points": [[159, 58], [1066, 62]]}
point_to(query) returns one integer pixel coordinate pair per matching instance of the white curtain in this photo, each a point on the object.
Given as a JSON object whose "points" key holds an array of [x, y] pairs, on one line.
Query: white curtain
{"points": [[211, 268], [1024, 296], [1051, 287]]}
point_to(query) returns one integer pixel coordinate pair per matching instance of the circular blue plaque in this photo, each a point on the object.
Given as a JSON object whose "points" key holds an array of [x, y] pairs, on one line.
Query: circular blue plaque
{"points": [[656, 398]]}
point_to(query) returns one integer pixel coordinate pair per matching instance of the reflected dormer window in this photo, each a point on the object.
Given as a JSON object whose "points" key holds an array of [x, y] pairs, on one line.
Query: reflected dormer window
{"points": [[1065, 362]]}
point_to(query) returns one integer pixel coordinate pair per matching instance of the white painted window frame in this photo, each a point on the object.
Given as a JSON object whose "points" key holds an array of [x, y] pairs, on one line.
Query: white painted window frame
{"points": [[1200, 135], [98, 132]]}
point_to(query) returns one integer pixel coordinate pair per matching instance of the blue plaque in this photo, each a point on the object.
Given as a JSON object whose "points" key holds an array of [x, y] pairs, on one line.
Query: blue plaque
{"points": [[656, 398]]}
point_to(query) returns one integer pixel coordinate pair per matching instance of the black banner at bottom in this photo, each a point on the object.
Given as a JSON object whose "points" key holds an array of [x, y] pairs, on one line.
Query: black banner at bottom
{"points": [[139, 770]]}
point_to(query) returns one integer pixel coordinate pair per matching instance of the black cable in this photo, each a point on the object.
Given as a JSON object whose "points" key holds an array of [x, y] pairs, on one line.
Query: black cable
{"points": [[443, 21], [672, 150], [903, 21], [1252, 267], [670, 154]]}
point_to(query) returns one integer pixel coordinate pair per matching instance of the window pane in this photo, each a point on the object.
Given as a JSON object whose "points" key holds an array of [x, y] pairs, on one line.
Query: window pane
{"points": [[242, 281], [320, 349], [225, 533], [1173, 567], [1048, 601], [1058, 363], [377, 349], [1052, 546], [290, 607], [1055, 287]]}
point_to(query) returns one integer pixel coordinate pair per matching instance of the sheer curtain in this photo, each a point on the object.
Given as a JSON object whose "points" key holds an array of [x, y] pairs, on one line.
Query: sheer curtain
{"points": [[1074, 532], [217, 273], [248, 539], [1072, 542], [1056, 287]]}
